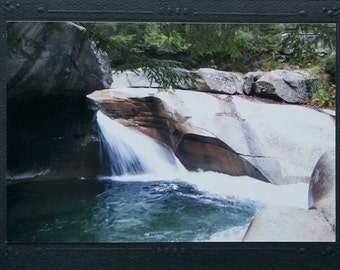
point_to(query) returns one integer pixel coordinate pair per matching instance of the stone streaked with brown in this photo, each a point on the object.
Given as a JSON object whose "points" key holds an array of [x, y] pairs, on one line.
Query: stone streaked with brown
{"points": [[207, 131], [195, 147]]}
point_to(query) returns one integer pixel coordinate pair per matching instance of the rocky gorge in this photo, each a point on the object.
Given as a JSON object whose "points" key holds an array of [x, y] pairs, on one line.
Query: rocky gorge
{"points": [[274, 142], [242, 125]]}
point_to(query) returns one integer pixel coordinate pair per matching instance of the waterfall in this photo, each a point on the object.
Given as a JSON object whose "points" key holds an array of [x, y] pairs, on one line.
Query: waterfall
{"points": [[133, 153], [135, 156]]}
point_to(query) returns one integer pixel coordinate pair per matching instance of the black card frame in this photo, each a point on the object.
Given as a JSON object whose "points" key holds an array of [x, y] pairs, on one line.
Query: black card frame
{"points": [[161, 255]]}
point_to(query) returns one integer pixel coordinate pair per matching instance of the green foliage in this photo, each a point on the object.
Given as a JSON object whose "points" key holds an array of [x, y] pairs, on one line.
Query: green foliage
{"points": [[305, 41], [144, 47], [162, 49], [235, 47], [325, 97], [172, 43], [306, 46], [329, 67], [225, 46], [166, 73]]}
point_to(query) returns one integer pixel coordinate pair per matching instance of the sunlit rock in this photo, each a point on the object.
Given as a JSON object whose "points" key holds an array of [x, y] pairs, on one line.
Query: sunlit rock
{"points": [[282, 224], [224, 133], [128, 78], [288, 86], [219, 81], [209, 80]]}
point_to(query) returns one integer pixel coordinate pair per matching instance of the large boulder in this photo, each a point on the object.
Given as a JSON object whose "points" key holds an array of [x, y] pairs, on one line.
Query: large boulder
{"points": [[219, 81], [321, 194], [228, 134], [250, 79], [209, 80], [128, 78], [289, 224], [53, 60], [139, 79], [288, 86]]}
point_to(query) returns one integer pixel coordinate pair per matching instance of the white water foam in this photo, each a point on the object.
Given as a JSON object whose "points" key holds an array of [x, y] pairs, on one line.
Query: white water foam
{"points": [[128, 148], [160, 163], [241, 187]]}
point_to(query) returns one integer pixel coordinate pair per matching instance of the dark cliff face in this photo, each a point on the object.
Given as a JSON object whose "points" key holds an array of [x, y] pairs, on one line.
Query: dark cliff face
{"points": [[47, 59], [50, 130], [51, 139]]}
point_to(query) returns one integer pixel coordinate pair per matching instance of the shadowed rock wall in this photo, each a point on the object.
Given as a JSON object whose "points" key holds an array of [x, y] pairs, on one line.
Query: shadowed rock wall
{"points": [[47, 59], [51, 66]]}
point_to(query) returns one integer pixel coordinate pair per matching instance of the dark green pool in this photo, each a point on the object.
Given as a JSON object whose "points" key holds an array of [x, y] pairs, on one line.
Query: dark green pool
{"points": [[76, 211]]}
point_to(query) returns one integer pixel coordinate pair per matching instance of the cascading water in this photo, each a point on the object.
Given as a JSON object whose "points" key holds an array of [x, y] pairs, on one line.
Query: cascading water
{"points": [[131, 152], [136, 157], [135, 153], [148, 196]]}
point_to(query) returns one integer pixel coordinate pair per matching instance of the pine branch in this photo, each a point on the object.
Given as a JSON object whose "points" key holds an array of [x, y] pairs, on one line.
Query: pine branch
{"points": [[167, 73]]}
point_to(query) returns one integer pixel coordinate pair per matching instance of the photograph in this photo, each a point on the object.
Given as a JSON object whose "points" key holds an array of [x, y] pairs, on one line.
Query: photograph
{"points": [[134, 132]]}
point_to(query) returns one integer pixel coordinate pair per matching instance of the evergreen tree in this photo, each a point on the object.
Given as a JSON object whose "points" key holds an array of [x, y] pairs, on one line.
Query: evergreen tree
{"points": [[162, 49], [304, 42]]}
